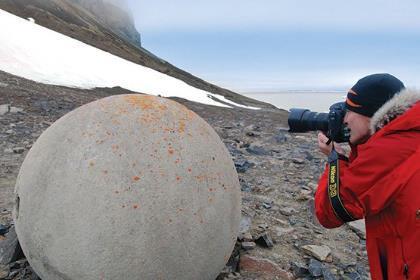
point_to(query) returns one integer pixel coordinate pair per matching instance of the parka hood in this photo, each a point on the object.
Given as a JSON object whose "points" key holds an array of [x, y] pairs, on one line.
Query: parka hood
{"points": [[395, 107]]}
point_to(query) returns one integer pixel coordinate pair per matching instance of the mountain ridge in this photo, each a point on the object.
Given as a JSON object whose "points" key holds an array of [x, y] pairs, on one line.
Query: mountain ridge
{"points": [[74, 21]]}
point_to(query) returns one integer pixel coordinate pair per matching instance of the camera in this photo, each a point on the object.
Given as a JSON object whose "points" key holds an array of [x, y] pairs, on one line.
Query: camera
{"points": [[303, 120]]}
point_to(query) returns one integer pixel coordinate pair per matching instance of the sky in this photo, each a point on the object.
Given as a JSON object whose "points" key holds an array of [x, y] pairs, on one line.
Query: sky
{"points": [[277, 45]]}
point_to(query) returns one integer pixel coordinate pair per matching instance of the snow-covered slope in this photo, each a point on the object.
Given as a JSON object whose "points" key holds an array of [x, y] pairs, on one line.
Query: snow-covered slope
{"points": [[37, 53]]}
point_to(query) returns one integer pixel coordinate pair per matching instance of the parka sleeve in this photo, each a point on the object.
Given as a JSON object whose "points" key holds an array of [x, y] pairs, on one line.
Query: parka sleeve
{"points": [[367, 183]]}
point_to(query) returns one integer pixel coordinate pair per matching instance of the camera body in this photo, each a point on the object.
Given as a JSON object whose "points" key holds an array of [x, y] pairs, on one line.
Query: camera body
{"points": [[303, 120]]}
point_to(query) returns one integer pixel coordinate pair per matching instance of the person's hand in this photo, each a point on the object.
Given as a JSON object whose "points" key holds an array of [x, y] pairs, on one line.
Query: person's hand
{"points": [[326, 149]]}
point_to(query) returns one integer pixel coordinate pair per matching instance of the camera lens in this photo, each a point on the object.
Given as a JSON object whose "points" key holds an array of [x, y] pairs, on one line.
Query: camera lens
{"points": [[303, 120]]}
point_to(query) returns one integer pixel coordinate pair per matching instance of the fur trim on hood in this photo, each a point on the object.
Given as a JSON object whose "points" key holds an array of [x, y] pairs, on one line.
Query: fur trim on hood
{"points": [[395, 107]]}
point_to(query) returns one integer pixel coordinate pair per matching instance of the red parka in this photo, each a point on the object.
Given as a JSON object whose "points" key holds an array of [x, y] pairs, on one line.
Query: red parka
{"points": [[381, 183]]}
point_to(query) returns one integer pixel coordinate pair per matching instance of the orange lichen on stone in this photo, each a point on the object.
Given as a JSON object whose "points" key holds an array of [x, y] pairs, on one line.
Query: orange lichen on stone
{"points": [[178, 178], [191, 114], [201, 177], [170, 130], [135, 206], [144, 102], [170, 151], [181, 128], [136, 178], [115, 147]]}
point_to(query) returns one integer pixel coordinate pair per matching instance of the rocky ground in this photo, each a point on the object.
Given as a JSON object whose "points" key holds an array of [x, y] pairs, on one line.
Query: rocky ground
{"points": [[280, 237]]}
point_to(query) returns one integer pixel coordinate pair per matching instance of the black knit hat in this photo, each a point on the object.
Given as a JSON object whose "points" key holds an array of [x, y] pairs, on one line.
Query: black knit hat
{"points": [[371, 92]]}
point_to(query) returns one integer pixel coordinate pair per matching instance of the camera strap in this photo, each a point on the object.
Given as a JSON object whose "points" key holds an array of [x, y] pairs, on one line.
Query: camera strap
{"points": [[334, 188]]}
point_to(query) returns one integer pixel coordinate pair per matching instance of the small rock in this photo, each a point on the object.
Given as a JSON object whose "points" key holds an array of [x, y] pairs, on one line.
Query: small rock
{"points": [[4, 108], [247, 237], [304, 195], [18, 150], [359, 228], [312, 186], [3, 229], [319, 252], [252, 127], [267, 205], [10, 250], [299, 269], [4, 271], [306, 192], [263, 269], [263, 226], [245, 187], [8, 151], [315, 268], [243, 145], [15, 110], [353, 276], [265, 240], [232, 149], [248, 245], [244, 225], [280, 231], [242, 165], [298, 160], [257, 150], [287, 211], [326, 273], [281, 137], [252, 134]]}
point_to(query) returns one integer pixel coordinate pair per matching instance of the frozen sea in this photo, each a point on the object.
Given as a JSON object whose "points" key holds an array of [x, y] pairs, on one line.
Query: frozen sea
{"points": [[318, 101]]}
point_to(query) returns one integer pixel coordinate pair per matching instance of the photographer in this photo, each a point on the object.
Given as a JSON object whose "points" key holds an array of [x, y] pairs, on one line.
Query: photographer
{"points": [[380, 181]]}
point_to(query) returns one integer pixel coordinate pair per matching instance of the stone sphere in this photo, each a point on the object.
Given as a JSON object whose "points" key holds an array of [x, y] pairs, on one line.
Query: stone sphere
{"points": [[128, 187]]}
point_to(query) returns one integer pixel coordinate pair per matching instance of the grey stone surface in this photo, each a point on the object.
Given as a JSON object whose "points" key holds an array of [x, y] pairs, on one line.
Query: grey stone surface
{"points": [[128, 187]]}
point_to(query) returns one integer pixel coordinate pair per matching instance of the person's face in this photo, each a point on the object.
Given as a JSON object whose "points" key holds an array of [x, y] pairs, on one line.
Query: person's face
{"points": [[359, 127]]}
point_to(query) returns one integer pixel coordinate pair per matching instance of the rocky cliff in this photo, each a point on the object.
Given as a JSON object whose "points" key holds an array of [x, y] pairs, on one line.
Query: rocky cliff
{"points": [[114, 15]]}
